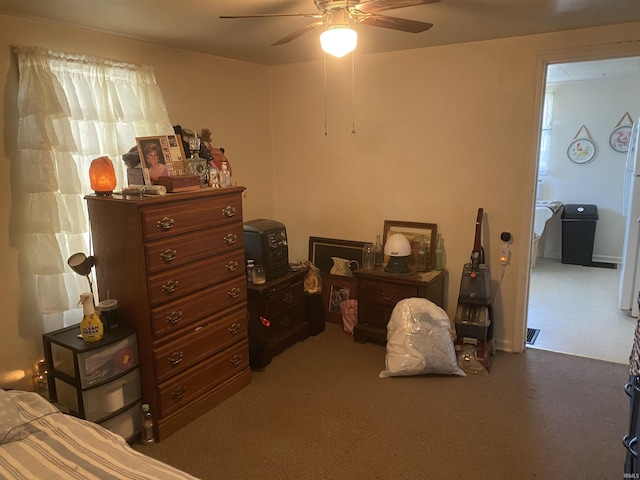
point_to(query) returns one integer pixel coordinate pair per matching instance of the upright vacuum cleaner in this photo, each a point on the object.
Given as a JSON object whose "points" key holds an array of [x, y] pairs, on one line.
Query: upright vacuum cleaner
{"points": [[474, 314]]}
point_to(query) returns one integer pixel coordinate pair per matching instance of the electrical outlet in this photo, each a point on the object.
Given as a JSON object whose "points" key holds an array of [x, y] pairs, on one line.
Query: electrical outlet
{"points": [[504, 255]]}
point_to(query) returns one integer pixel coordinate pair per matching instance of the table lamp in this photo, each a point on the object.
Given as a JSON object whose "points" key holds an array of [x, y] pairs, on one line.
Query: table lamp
{"points": [[102, 176], [398, 249]]}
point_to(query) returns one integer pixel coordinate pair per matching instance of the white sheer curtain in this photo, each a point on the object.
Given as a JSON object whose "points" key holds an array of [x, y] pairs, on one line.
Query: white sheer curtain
{"points": [[72, 109]]}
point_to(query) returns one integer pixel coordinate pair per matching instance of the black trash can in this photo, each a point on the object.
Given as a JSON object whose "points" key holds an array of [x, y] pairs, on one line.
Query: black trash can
{"points": [[578, 233]]}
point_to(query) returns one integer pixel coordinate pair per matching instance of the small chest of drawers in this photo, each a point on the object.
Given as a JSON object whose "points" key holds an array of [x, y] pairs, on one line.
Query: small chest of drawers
{"points": [[378, 293], [175, 264], [276, 316], [98, 381]]}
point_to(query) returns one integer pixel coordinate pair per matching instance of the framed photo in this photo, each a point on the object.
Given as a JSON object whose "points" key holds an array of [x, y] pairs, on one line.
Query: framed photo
{"points": [[161, 156], [335, 290], [582, 151], [414, 231], [322, 249]]}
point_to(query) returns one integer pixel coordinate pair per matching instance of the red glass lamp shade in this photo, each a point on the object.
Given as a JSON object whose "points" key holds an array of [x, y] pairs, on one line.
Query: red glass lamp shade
{"points": [[102, 176]]}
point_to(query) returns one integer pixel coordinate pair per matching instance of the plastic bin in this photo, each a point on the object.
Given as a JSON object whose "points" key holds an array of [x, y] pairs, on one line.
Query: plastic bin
{"points": [[578, 233]]}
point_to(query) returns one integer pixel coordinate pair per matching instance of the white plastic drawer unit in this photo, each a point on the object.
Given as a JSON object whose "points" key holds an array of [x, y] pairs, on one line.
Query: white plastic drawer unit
{"points": [[100, 402], [97, 366], [98, 381], [126, 424]]}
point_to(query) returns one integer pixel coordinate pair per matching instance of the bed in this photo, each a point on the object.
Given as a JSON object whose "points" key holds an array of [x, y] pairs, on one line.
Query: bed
{"points": [[37, 441]]}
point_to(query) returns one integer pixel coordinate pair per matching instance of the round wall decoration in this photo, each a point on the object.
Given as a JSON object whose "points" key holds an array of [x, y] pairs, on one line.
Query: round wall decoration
{"points": [[621, 135], [619, 139], [582, 151]]}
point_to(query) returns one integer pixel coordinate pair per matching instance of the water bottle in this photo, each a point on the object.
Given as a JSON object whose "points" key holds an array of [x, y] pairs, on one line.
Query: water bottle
{"points": [[147, 424]]}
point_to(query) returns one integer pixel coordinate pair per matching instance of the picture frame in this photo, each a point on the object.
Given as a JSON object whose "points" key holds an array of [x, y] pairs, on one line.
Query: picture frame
{"points": [[161, 156], [413, 231], [336, 289], [321, 250]]}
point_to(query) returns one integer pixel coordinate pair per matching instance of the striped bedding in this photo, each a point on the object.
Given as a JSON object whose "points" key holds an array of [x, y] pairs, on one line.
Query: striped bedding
{"points": [[39, 442]]}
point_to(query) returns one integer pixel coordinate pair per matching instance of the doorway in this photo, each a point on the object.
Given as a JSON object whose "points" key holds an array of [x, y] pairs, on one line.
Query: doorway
{"points": [[573, 309]]}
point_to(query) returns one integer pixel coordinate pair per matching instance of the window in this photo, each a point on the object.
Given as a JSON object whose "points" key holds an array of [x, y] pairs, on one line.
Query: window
{"points": [[72, 109]]}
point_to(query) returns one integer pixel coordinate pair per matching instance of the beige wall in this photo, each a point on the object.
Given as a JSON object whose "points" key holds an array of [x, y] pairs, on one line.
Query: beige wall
{"points": [[441, 132]]}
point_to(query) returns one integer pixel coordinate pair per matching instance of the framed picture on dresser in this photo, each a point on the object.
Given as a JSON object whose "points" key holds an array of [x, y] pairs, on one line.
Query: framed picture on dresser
{"points": [[414, 232]]}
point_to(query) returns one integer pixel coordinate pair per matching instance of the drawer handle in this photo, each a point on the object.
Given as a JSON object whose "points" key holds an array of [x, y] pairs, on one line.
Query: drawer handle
{"points": [[178, 393], [174, 317], [168, 255], [232, 266], [176, 358], [234, 292], [171, 286], [285, 321], [230, 239], [234, 329], [388, 295], [236, 359], [288, 298], [229, 211], [165, 224]]}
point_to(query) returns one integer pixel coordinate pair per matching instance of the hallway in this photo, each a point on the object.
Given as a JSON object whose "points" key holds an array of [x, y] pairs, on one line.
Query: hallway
{"points": [[576, 310]]}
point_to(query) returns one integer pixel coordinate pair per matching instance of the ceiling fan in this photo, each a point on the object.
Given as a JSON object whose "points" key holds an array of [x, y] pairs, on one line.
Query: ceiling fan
{"points": [[338, 15]]}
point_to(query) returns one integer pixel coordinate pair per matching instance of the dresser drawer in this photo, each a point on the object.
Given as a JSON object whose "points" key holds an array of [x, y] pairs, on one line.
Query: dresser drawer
{"points": [[189, 278], [282, 299], [274, 325], [175, 251], [188, 386], [384, 293], [375, 315], [199, 342], [176, 315], [185, 216]]}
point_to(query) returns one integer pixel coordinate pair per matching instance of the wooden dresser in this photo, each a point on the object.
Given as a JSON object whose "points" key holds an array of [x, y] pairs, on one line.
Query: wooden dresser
{"points": [[378, 293], [278, 317], [175, 264]]}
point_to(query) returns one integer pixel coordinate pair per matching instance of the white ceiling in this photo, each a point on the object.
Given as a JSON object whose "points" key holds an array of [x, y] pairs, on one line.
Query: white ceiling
{"points": [[194, 24], [576, 71]]}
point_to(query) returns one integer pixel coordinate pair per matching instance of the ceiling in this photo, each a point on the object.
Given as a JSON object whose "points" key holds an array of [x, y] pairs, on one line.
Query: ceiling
{"points": [[194, 24]]}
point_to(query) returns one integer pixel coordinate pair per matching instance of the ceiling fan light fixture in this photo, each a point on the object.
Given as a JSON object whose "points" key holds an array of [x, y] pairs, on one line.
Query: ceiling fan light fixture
{"points": [[338, 40]]}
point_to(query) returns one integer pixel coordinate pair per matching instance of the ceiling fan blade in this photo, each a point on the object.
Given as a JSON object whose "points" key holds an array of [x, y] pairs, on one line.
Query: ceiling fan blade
{"points": [[298, 33], [373, 6], [266, 15], [394, 23]]}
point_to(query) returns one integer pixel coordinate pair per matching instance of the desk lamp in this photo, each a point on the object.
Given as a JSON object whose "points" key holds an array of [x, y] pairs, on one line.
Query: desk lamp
{"points": [[398, 249], [82, 265]]}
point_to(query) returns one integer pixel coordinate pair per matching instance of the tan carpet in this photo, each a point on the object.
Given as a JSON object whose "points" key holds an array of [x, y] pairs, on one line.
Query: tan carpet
{"points": [[319, 411]]}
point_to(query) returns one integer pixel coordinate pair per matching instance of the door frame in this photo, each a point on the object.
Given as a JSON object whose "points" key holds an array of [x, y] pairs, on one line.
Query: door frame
{"points": [[581, 54]]}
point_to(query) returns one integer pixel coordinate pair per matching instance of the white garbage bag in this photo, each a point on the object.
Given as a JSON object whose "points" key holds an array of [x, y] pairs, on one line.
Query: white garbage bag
{"points": [[419, 341]]}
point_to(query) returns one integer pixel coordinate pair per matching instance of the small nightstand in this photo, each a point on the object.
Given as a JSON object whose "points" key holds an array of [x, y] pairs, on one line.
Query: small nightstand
{"points": [[97, 381], [378, 293], [276, 317]]}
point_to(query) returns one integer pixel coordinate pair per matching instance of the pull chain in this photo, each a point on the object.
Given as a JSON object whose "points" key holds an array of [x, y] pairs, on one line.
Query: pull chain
{"points": [[353, 93], [324, 57]]}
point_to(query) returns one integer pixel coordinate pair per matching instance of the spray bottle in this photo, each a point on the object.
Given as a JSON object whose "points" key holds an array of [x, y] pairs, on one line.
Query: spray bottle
{"points": [[91, 327]]}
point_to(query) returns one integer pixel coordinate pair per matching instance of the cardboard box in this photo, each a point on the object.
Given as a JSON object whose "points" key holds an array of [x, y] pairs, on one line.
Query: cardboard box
{"points": [[180, 183]]}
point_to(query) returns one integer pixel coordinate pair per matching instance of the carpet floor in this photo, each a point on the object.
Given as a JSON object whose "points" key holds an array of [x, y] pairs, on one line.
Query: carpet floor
{"points": [[320, 411]]}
